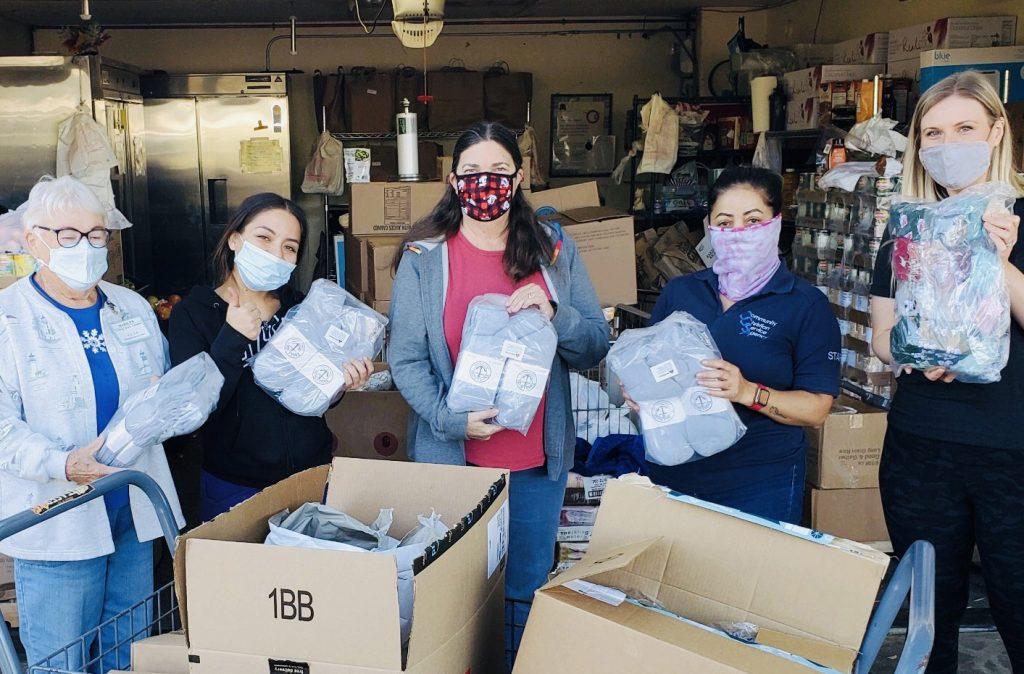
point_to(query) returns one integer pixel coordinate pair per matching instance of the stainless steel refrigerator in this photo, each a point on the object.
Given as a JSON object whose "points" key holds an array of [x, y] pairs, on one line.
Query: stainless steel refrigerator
{"points": [[211, 141]]}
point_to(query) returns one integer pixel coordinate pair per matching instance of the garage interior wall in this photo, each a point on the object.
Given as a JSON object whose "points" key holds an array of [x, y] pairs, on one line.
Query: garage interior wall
{"points": [[15, 38]]}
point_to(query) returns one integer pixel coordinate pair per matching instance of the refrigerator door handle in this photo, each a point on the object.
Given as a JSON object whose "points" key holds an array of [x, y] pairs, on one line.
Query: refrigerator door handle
{"points": [[217, 195]]}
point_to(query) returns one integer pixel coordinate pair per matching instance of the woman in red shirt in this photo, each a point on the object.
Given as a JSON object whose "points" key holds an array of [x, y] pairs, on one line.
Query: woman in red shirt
{"points": [[483, 237]]}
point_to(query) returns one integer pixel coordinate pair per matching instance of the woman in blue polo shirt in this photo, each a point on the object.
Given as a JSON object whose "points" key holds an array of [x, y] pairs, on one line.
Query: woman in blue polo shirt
{"points": [[780, 346]]}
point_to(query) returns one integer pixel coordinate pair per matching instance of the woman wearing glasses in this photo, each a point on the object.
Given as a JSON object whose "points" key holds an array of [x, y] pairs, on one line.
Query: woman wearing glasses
{"points": [[71, 348]]}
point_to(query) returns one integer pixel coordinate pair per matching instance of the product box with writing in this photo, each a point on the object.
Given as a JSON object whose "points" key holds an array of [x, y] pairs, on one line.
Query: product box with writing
{"points": [[844, 453], [1002, 66], [371, 424], [166, 653], [703, 566], [804, 109], [298, 609], [855, 514], [952, 33], [870, 48], [560, 199], [391, 209]]}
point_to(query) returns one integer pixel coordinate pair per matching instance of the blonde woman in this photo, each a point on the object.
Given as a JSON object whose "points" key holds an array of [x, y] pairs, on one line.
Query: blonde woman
{"points": [[952, 467]]}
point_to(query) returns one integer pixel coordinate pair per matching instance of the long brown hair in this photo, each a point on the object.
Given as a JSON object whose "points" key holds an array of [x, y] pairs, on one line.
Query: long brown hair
{"points": [[528, 246], [222, 263]]}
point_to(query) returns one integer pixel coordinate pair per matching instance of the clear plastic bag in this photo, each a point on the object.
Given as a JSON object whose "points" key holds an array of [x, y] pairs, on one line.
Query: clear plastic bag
{"points": [[952, 306], [301, 365], [504, 362], [658, 367], [177, 404]]}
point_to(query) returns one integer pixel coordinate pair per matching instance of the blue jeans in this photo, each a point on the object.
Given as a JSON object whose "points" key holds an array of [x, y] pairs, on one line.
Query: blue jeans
{"points": [[59, 602], [218, 496], [535, 504]]}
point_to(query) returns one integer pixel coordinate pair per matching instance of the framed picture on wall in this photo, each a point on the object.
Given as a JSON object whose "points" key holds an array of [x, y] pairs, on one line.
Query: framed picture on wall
{"points": [[582, 143]]}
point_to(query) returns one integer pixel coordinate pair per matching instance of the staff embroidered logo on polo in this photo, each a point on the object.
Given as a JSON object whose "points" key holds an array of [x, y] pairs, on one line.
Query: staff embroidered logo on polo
{"points": [[752, 325]]}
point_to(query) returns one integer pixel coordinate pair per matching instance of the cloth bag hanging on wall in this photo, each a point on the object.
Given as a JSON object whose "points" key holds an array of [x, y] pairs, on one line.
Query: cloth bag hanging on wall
{"points": [[334, 101], [369, 101], [409, 84], [661, 141], [507, 95], [458, 97]]}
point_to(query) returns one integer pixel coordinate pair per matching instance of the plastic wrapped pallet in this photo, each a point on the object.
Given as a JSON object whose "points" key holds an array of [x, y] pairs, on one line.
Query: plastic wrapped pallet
{"points": [[658, 367], [504, 362], [177, 404], [301, 365], [952, 306]]}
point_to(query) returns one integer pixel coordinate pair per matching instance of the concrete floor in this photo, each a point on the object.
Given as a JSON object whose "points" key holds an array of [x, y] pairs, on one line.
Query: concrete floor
{"points": [[980, 653]]}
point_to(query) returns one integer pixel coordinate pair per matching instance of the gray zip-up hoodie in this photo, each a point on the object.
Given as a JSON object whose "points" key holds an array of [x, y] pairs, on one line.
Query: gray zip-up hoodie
{"points": [[422, 367]]}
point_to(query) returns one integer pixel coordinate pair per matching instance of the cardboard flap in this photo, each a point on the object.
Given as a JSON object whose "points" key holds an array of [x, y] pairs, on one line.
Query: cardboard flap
{"points": [[594, 564], [278, 606], [566, 198], [592, 213]]}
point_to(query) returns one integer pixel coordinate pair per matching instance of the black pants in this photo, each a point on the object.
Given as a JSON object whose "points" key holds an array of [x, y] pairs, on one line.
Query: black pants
{"points": [[956, 496]]}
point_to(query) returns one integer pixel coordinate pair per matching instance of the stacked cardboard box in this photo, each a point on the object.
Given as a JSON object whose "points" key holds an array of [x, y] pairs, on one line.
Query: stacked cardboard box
{"points": [[665, 253], [842, 495], [576, 523], [814, 93], [371, 424], [907, 44]]}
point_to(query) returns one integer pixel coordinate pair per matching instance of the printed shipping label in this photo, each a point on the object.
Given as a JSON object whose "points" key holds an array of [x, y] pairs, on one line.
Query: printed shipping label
{"points": [[336, 337], [398, 206], [594, 486], [497, 539], [525, 380], [479, 370], [663, 371], [663, 412], [697, 401], [513, 350]]}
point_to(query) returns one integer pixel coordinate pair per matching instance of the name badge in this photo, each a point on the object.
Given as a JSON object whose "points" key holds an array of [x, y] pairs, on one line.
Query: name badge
{"points": [[131, 330]]}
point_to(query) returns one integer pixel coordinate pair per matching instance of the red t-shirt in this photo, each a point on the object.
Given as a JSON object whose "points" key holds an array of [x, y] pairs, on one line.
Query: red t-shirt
{"points": [[473, 272]]}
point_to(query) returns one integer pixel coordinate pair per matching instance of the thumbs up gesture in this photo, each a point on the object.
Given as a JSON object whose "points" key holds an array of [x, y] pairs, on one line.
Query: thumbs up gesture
{"points": [[243, 317]]}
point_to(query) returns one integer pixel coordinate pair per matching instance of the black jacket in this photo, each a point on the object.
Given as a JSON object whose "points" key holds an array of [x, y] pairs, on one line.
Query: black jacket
{"points": [[250, 439]]}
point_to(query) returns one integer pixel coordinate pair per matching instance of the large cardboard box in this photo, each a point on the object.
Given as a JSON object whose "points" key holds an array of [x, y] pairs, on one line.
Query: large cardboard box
{"points": [[561, 199], [870, 48], [809, 595], [368, 266], [604, 238], [952, 33], [6, 578], [371, 424], [844, 453], [1003, 66], [335, 612], [166, 653], [804, 89], [390, 209], [855, 514]]}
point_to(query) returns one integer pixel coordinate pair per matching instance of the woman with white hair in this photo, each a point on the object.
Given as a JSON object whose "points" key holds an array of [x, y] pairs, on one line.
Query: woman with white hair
{"points": [[71, 349]]}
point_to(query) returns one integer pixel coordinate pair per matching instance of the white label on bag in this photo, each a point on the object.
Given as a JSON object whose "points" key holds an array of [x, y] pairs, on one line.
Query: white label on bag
{"points": [[697, 401], [663, 371], [292, 344], [593, 487], [662, 412], [478, 370], [524, 380], [497, 539], [304, 357], [372, 92], [513, 350], [336, 337]]}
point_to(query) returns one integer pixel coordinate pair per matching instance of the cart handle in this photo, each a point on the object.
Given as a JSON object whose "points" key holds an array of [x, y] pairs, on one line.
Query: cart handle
{"points": [[83, 494], [914, 575]]}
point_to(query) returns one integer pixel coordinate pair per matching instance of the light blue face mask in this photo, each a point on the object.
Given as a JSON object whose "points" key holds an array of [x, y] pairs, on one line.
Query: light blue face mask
{"points": [[80, 267], [260, 270], [956, 165]]}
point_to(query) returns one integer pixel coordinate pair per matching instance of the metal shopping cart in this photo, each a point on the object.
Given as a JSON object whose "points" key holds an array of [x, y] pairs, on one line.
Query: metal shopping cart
{"points": [[100, 647]]}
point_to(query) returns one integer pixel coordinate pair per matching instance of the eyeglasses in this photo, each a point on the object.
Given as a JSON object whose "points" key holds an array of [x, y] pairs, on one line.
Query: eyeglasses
{"points": [[68, 237]]}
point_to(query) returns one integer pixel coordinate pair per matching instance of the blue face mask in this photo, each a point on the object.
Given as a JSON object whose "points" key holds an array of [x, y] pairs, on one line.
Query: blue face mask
{"points": [[260, 270], [80, 267]]}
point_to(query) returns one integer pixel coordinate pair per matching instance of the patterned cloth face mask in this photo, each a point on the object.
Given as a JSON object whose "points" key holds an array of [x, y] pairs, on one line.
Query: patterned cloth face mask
{"points": [[485, 196]]}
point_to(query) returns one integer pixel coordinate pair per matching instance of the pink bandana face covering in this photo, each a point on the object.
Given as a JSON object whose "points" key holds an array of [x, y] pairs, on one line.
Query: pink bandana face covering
{"points": [[746, 258]]}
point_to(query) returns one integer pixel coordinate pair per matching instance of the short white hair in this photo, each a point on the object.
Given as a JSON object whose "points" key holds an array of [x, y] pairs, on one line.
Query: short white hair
{"points": [[51, 197]]}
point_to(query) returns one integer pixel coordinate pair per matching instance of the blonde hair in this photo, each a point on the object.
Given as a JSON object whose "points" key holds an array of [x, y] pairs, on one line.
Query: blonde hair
{"points": [[51, 197], [969, 84]]}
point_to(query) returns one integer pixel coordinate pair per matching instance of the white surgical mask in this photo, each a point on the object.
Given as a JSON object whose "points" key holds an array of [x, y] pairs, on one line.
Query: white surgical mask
{"points": [[260, 270], [79, 267], [956, 165]]}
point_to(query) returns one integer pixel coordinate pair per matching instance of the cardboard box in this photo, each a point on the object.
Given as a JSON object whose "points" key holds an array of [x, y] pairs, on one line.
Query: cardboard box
{"points": [[561, 199], [1003, 66], [165, 653], [390, 209], [855, 514], [444, 167], [381, 306], [845, 452], [810, 55], [952, 33], [335, 612], [371, 424], [368, 266], [604, 238], [804, 89], [6, 578], [870, 48], [810, 596]]}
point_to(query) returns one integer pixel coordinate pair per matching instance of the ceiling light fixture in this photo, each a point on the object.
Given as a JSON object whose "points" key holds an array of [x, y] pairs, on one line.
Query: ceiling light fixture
{"points": [[418, 22]]}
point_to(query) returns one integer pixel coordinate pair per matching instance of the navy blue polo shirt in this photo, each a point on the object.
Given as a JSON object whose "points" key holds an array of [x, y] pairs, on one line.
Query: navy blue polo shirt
{"points": [[785, 337]]}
